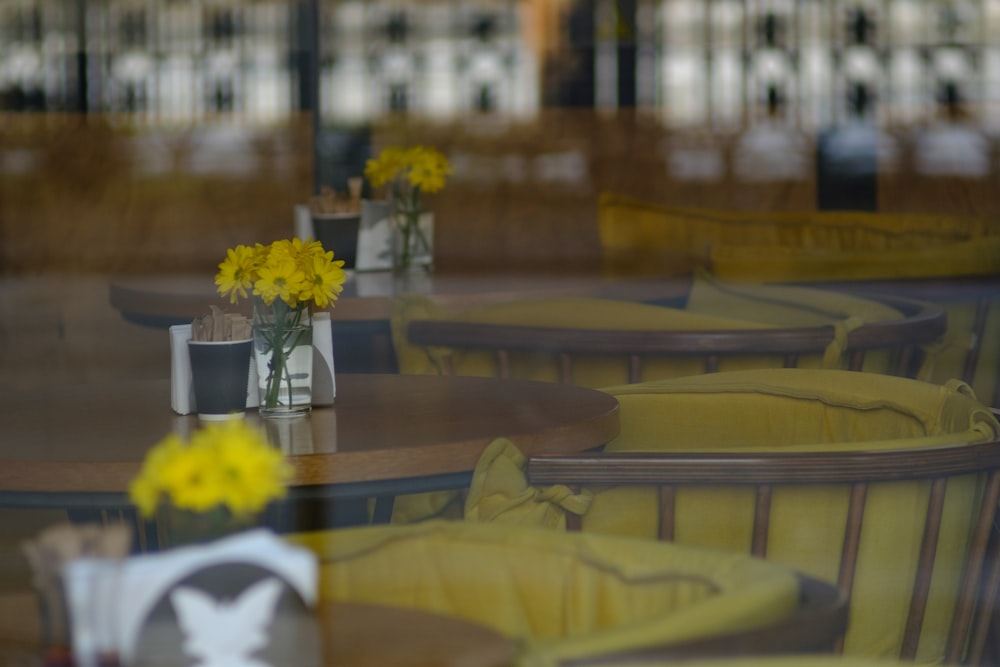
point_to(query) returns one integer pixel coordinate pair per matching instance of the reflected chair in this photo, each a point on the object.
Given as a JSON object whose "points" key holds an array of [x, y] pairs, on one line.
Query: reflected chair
{"points": [[950, 260], [597, 342], [572, 596], [886, 485]]}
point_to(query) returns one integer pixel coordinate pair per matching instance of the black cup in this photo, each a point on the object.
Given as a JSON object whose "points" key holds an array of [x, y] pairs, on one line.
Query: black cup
{"points": [[339, 232], [220, 371]]}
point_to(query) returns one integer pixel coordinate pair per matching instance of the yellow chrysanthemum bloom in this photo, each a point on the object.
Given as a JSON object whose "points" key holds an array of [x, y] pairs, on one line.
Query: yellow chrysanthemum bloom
{"points": [[383, 169], [229, 465], [236, 272], [254, 475], [326, 281], [191, 479], [280, 277]]}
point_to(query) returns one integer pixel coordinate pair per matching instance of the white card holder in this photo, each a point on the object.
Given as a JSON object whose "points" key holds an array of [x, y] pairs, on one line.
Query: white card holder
{"points": [[109, 601], [182, 389]]}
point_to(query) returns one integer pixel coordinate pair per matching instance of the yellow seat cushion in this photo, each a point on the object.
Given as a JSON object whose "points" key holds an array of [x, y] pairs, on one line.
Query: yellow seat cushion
{"points": [[782, 305], [792, 410], [569, 313], [778, 263], [642, 237], [792, 306], [559, 595]]}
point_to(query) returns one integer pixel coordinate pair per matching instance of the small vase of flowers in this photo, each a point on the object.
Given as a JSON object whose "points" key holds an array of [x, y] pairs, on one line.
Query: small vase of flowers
{"points": [[215, 484], [409, 173], [286, 281]]}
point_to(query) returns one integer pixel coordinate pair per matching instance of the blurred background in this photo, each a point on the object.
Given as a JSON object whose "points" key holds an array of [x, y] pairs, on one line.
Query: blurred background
{"points": [[150, 135]]}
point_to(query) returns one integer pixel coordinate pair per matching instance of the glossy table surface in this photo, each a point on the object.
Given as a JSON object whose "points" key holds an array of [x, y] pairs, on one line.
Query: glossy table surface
{"points": [[350, 634], [173, 299], [381, 429]]}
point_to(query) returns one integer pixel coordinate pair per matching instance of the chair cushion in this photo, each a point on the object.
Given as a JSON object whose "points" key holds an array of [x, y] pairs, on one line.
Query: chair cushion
{"points": [[782, 305], [571, 313], [776, 410], [641, 237], [780, 263], [561, 595], [791, 306]]}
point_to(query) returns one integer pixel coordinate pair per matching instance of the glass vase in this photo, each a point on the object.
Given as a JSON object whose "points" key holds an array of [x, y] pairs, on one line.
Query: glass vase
{"points": [[412, 241], [283, 351]]}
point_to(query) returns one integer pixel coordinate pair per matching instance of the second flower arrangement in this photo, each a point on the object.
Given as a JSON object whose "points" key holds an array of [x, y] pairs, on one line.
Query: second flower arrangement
{"points": [[286, 280]]}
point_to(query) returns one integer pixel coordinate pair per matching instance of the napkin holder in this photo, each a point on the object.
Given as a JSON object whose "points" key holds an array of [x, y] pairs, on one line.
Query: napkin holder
{"points": [[248, 592], [182, 390]]}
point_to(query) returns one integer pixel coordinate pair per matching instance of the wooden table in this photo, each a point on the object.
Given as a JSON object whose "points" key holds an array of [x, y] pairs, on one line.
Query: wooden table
{"points": [[350, 635], [177, 299], [360, 317], [78, 447]]}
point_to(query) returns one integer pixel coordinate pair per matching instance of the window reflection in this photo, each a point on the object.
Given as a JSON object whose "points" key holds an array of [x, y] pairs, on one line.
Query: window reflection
{"points": [[761, 78]]}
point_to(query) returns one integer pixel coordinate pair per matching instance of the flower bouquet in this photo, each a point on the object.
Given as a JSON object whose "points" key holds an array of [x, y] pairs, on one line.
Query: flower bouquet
{"points": [[408, 172], [214, 484], [286, 279]]}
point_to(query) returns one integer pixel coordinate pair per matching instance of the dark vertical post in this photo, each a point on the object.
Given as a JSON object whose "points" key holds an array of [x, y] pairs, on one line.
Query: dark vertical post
{"points": [[572, 74], [627, 52], [847, 160], [307, 65], [82, 91]]}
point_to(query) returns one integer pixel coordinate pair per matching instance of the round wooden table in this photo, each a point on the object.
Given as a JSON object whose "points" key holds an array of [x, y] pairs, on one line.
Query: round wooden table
{"points": [[360, 317], [350, 635], [164, 300], [78, 447]]}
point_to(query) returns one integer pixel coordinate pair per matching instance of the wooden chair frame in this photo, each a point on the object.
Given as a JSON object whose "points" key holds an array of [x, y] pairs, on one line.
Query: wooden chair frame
{"points": [[763, 471], [983, 292], [922, 322]]}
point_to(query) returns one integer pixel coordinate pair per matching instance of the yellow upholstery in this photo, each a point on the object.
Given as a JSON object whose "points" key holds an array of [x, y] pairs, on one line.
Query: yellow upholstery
{"points": [[794, 410], [781, 305], [790, 306], [711, 306], [762, 263], [560, 595], [639, 237], [766, 661]]}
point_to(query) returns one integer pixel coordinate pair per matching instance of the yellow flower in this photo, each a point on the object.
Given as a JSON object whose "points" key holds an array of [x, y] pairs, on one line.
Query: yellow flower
{"points": [[236, 272], [326, 280], [145, 494], [192, 480], [383, 169], [421, 167], [228, 465], [297, 271], [252, 472], [280, 278]]}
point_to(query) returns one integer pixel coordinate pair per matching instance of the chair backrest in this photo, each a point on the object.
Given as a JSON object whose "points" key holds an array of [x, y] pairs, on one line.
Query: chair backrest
{"points": [[765, 472], [921, 323], [972, 341], [571, 599]]}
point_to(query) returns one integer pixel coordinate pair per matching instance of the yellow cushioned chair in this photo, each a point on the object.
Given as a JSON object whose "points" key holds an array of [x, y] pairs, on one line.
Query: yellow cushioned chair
{"points": [[928, 257], [963, 277], [638, 660], [642, 237], [608, 342], [562, 596], [877, 482]]}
